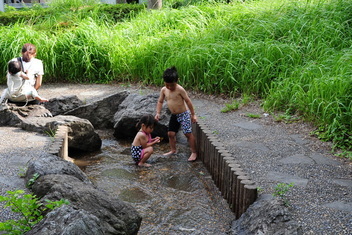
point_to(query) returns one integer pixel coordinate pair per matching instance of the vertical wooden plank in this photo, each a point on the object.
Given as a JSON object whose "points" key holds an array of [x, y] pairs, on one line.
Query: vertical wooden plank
{"points": [[239, 190]]}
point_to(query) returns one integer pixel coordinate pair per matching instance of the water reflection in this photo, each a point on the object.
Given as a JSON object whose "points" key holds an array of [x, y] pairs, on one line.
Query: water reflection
{"points": [[173, 196]]}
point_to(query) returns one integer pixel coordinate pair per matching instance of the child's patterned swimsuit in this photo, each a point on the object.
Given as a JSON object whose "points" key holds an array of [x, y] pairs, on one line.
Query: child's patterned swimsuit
{"points": [[137, 151], [181, 119]]}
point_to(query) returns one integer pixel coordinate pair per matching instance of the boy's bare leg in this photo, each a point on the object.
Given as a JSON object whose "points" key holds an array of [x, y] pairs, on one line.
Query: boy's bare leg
{"points": [[172, 143], [192, 145]]}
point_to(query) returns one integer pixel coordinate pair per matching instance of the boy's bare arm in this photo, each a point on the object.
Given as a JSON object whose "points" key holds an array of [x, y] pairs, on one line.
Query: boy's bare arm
{"points": [[190, 106], [159, 105]]}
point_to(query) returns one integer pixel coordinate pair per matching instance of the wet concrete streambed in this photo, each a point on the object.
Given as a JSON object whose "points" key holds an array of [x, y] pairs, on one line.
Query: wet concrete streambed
{"points": [[173, 196]]}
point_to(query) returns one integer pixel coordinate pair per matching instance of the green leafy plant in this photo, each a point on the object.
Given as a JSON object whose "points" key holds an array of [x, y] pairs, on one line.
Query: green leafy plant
{"points": [[246, 99], [236, 104], [51, 133], [30, 209], [22, 172], [32, 180], [281, 190], [9, 8], [260, 189], [287, 118], [345, 154], [231, 107], [252, 115]]}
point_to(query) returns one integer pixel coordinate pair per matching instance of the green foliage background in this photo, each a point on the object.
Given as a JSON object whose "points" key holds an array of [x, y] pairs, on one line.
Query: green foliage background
{"points": [[296, 55]]}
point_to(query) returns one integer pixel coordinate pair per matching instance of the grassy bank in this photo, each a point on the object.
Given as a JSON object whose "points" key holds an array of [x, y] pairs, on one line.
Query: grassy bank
{"points": [[295, 55]]}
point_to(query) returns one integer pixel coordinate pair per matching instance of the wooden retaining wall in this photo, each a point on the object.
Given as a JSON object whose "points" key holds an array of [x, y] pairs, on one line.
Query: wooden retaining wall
{"points": [[234, 184]]}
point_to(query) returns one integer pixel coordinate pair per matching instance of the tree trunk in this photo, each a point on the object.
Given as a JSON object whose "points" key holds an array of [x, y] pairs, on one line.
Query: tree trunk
{"points": [[154, 4]]}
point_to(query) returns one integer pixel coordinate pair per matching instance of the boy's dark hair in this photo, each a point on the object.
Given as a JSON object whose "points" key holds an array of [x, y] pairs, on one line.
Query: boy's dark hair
{"points": [[148, 120], [14, 67], [170, 75]]}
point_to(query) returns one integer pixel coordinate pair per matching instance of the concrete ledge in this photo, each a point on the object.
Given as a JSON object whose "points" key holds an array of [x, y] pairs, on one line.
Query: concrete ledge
{"points": [[59, 145]]}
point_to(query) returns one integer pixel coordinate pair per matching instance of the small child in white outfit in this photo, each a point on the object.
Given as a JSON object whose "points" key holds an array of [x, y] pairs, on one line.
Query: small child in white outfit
{"points": [[18, 87]]}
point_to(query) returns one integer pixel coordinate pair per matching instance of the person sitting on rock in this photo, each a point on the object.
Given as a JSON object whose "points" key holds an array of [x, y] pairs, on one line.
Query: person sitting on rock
{"points": [[32, 68], [18, 88], [141, 148]]}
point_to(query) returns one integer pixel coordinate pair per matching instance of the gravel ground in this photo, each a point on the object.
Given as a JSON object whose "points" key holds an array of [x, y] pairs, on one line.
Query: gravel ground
{"points": [[17, 148], [269, 152]]}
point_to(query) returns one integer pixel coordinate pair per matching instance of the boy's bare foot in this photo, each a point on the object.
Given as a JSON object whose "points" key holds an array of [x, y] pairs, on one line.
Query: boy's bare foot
{"points": [[169, 153], [144, 164], [193, 157]]}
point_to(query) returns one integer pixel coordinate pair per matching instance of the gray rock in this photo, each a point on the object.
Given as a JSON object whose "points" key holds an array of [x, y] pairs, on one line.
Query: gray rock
{"points": [[48, 164], [267, 215], [69, 221], [13, 115], [100, 113], [62, 104], [132, 109], [9, 118], [116, 217], [81, 133]]}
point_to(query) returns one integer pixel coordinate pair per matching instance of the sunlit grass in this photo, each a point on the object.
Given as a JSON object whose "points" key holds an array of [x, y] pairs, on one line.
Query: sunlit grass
{"points": [[296, 55]]}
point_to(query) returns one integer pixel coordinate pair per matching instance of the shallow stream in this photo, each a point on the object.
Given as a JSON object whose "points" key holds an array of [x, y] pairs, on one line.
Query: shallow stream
{"points": [[173, 196]]}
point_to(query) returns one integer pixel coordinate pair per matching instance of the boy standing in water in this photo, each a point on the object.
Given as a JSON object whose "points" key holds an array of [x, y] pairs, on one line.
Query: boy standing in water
{"points": [[177, 101]]}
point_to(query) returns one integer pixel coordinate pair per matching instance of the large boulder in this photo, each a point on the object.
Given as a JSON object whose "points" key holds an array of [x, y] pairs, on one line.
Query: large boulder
{"points": [[62, 104], [9, 118], [115, 216], [132, 109], [13, 115], [48, 164], [268, 215], [68, 220], [100, 113], [81, 133]]}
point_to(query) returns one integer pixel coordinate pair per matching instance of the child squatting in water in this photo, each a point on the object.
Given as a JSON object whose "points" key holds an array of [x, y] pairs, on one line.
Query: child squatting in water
{"points": [[141, 148]]}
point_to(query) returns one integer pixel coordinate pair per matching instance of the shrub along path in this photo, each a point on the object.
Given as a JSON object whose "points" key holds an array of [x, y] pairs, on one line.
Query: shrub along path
{"points": [[269, 152]]}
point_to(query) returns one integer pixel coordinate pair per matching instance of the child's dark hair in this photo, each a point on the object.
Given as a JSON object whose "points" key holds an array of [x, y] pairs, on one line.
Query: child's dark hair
{"points": [[148, 120], [170, 75], [14, 67]]}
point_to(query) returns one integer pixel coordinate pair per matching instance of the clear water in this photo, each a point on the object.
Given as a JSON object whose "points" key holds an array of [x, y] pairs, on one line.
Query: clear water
{"points": [[173, 196]]}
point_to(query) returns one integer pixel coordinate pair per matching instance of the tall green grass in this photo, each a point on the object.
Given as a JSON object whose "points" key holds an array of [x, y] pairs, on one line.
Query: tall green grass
{"points": [[296, 55]]}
